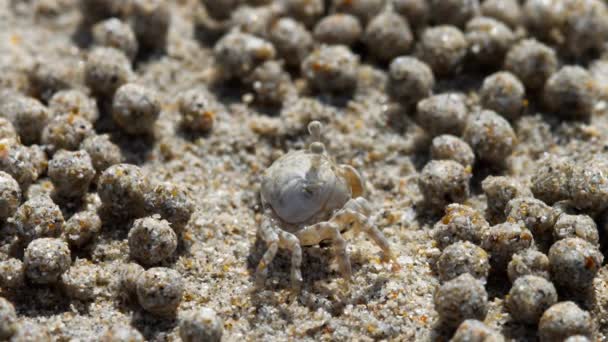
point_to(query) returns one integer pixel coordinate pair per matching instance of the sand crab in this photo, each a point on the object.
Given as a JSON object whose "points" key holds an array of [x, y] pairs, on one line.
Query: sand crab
{"points": [[307, 199]]}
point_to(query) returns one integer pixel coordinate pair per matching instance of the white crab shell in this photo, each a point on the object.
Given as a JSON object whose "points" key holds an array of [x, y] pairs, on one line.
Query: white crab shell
{"points": [[304, 187]]}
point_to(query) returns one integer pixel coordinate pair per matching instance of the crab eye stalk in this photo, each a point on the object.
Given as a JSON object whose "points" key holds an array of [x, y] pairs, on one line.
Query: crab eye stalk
{"points": [[317, 147], [314, 128]]}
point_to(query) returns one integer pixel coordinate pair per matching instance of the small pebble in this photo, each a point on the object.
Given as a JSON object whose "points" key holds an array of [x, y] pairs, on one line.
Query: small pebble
{"points": [[201, 325], [570, 93], [12, 274], [116, 34], [79, 281], [443, 182], [270, 83], [443, 48], [7, 131], [449, 147], [528, 262], [172, 202], [563, 320], [74, 102], [307, 12], [102, 151], [160, 290], [531, 62], [491, 136], [410, 80], [16, 160], [503, 93], [460, 223], [43, 187], [136, 108], [38, 217], [8, 319], [338, 29], [66, 131], [127, 277], [535, 215], [459, 299], [574, 263], [239, 53], [46, 260], [463, 257], [529, 297], [122, 189], [387, 36], [39, 158], [454, 12], [551, 181], [364, 10], [253, 20], [292, 41], [489, 40], [151, 20], [151, 240], [71, 173], [581, 226], [507, 11], [28, 116], [82, 228], [499, 190], [503, 240], [198, 110], [106, 70], [442, 114], [10, 196], [589, 184], [331, 69], [584, 26], [52, 75], [220, 9], [417, 12], [541, 16], [122, 332], [473, 330]]}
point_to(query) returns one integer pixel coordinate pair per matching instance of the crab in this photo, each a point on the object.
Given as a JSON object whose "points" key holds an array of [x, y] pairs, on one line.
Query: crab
{"points": [[308, 199]]}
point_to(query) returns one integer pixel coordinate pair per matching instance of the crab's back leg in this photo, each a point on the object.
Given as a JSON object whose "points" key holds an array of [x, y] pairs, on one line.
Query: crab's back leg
{"points": [[353, 212], [318, 232], [290, 242], [269, 233]]}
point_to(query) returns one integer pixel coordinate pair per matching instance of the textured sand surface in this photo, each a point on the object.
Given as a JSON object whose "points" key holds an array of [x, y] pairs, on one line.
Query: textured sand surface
{"points": [[218, 251]]}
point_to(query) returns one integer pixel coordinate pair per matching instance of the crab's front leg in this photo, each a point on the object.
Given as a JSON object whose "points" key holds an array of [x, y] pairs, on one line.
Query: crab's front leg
{"points": [[269, 233], [318, 232], [275, 237], [356, 211], [292, 244]]}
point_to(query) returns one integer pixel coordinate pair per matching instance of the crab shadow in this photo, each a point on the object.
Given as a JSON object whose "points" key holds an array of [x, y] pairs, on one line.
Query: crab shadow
{"points": [[152, 326], [316, 265], [35, 300]]}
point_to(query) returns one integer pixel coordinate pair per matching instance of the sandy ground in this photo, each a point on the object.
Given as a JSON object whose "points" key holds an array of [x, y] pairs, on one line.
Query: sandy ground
{"points": [[218, 249]]}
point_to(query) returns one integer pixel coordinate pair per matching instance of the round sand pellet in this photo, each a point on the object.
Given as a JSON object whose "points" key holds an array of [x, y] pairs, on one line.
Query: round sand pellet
{"points": [[201, 325], [160, 290], [151, 240], [46, 260]]}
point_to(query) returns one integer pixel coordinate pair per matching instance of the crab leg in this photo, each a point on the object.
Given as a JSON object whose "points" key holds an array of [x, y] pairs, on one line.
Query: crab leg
{"points": [[316, 233], [292, 243], [352, 214], [268, 233]]}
